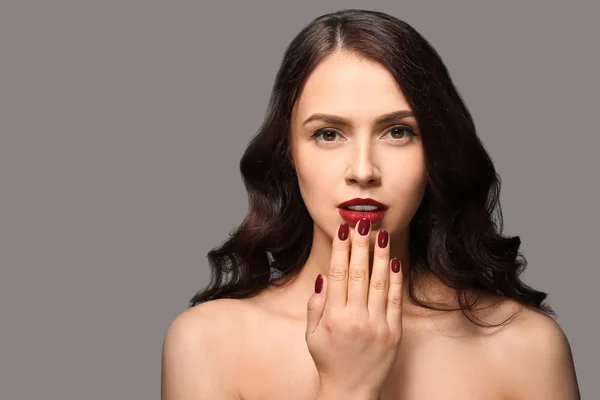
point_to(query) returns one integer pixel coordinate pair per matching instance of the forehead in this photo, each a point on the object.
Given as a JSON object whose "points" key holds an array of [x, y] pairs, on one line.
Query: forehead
{"points": [[350, 86]]}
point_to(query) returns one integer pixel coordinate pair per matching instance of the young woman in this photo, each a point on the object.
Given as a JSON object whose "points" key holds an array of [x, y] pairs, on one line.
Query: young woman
{"points": [[370, 264]]}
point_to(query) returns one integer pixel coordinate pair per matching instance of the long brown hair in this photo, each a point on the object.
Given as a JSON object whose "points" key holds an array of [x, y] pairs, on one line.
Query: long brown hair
{"points": [[455, 233]]}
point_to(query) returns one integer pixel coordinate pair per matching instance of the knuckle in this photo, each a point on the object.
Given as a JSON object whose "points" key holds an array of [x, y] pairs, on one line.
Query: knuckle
{"points": [[379, 284], [357, 324], [340, 246], [334, 321], [355, 328], [328, 326], [345, 324], [337, 273], [382, 256], [358, 275], [396, 284], [361, 243], [395, 301]]}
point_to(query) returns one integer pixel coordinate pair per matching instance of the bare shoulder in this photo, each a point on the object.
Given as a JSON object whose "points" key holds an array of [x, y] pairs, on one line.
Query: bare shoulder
{"points": [[222, 318], [534, 357], [200, 351]]}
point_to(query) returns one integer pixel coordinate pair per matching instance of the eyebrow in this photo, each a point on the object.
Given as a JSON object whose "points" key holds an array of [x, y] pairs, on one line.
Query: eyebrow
{"points": [[334, 119]]}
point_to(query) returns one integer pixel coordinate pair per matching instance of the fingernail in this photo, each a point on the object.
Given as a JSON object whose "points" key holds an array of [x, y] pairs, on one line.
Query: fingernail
{"points": [[343, 231], [395, 265], [382, 238], [319, 284], [363, 226]]}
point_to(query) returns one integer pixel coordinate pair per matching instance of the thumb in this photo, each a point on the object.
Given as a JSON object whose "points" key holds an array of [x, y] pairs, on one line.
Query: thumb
{"points": [[316, 305]]}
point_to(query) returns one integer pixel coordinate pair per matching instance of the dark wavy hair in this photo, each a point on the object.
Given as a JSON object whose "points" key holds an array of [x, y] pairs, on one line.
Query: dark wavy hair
{"points": [[453, 234]]}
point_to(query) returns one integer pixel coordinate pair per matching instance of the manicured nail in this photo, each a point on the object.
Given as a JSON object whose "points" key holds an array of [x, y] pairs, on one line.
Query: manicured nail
{"points": [[382, 238], [343, 231], [395, 265], [319, 284], [363, 226]]}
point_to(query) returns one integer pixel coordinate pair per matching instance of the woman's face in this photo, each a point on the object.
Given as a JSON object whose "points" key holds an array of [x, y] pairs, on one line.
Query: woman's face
{"points": [[360, 157]]}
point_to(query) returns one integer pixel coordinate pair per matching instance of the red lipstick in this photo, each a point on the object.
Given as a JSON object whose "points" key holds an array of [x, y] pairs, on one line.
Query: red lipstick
{"points": [[353, 216]]}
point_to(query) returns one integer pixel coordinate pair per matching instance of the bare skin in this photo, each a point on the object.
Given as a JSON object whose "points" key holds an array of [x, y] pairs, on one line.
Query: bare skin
{"points": [[255, 348], [437, 346], [442, 355], [361, 159]]}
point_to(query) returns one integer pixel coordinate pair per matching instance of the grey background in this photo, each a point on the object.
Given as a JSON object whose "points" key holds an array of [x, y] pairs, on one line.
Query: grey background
{"points": [[122, 125]]}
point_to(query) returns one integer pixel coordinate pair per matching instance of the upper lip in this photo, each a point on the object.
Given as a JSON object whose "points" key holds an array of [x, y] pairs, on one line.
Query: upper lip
{"points": [[359, 201]]}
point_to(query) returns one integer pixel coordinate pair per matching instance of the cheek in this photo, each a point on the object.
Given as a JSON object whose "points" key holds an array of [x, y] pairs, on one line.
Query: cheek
{"points": [[407, 180], [313, 169], [313, 178], [411, 188], [413, 180], [317, 181]]}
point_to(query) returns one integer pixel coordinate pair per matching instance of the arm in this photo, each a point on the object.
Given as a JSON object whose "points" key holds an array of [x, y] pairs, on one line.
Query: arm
{"points": [[196, 364], [539, 363]]}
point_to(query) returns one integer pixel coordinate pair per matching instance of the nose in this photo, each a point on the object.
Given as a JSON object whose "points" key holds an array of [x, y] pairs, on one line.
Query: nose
{"points": [[363, 168]]}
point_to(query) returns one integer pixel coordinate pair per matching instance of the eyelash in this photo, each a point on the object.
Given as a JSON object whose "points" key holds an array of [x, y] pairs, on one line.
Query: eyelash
{"points": [[319, 132]]}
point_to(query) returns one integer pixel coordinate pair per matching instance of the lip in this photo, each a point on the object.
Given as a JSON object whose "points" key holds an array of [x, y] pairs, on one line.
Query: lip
{"points": [[355, 216], [359, 201]]}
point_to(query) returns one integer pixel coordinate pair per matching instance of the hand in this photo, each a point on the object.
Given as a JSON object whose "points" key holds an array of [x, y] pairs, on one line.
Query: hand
{"points": [[354, 326]]}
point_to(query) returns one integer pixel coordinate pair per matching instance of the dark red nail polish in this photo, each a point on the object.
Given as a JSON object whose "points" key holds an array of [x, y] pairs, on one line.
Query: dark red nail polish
{"points": [[363, 226], [395, 265], [382, 238], [319, 284], [343, 231]]}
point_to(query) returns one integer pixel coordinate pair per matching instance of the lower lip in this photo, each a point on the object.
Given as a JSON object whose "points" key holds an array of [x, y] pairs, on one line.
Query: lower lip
{"points": [[355, 216]]}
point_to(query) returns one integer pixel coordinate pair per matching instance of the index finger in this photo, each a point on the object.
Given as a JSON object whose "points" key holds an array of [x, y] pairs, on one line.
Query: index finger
{"points": [[337, 276]]}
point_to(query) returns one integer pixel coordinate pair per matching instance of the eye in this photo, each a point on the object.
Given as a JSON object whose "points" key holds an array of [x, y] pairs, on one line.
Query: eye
{"points": [[401, 132], [327, 134]]}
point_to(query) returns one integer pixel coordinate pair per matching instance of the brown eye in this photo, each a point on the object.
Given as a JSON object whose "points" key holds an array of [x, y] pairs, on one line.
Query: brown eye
{"points": [[400, 132], [326, 134]]}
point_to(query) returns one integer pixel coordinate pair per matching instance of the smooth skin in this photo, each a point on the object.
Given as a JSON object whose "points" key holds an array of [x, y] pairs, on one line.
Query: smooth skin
{"points": [[354, 326], [255, 348]]}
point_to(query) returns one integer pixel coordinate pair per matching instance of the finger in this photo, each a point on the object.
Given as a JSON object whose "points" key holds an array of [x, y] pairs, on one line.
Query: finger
{"points": [[316, 305], [395, 294], [379, 284], [337, 285], [358, 271]]}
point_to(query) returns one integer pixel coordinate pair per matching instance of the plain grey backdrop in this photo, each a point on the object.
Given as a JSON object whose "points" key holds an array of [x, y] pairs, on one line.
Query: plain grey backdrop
{"points": [[122, 126]]}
